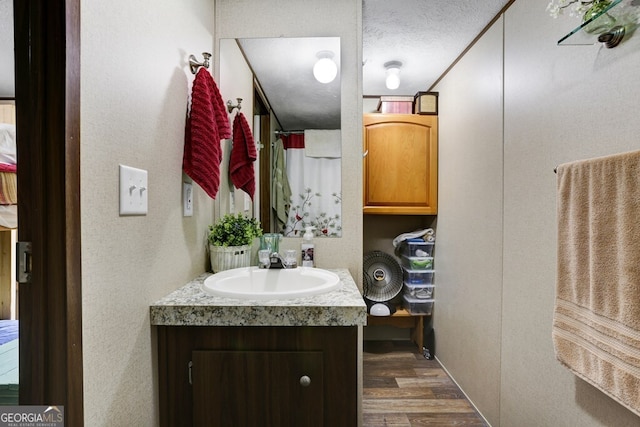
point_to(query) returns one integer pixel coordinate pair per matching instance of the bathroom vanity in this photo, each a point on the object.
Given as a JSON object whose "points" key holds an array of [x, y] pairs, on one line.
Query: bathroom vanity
{"points": [[232, 362]]}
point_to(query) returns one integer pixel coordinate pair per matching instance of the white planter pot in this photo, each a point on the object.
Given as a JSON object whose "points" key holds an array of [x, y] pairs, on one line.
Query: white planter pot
{"points": [[228, 257]]}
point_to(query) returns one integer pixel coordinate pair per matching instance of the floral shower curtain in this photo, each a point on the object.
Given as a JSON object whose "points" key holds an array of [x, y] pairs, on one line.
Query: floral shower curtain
{"points": [[316, 197]]}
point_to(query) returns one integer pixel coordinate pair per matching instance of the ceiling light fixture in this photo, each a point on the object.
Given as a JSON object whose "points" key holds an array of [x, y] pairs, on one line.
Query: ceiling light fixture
{"points": [[393, 74], [325, 70]]}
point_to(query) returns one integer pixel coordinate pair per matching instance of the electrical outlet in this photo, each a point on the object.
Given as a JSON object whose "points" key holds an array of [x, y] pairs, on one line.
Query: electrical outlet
{"points": [[134, 191], [187, 198]]}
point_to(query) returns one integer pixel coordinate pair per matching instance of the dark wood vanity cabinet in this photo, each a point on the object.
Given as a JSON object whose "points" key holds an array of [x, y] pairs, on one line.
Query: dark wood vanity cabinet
{"points": [[288, 390], [258, 376]]}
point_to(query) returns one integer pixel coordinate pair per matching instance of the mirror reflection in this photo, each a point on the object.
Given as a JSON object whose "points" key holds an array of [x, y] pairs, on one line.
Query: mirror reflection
{"points": [[291, 87]]}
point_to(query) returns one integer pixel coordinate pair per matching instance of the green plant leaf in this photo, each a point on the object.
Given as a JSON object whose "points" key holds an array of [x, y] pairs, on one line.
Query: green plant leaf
{"points": [[234, 230]]}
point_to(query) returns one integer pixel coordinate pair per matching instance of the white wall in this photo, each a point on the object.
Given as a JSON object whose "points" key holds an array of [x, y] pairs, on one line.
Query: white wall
{"points": [[468, 262], [235, 80], [134, 88], [496, 228], [559, 104], [135, 84]]}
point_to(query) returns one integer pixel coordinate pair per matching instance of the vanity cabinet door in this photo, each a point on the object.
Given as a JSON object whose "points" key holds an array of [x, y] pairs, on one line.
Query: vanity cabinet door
{"points": [[257, 388], [400, 170]]}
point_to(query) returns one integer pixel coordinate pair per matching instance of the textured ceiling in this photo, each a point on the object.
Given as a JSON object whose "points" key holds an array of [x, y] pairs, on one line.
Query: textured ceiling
{"points": [[425, 35], [284, 68]]}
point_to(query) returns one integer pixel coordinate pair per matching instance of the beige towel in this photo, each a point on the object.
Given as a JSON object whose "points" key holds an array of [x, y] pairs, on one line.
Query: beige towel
{"points": [[323, 143], [596, 325]]}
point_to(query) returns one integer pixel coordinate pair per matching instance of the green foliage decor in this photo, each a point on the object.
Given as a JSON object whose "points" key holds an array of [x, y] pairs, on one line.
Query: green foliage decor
{"points": [[234, 230]]}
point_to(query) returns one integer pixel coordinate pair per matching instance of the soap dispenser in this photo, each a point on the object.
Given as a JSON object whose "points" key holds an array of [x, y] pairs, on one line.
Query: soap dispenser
{"points": [[308, 247]]}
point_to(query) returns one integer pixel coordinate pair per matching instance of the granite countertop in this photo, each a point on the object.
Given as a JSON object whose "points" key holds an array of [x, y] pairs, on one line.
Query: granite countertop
{"points": [[190, 306]]}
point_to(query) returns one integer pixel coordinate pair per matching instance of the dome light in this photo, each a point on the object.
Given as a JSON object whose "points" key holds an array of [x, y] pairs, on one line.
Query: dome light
{"points": [[325, 70], [393, 74]]}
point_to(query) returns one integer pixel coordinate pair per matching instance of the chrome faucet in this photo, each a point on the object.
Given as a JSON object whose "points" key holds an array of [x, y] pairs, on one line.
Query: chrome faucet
{"points": [[276, 261]]}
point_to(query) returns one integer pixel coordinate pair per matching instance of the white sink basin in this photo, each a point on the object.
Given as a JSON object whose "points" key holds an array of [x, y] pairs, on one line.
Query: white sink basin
{"points": [[255, 283]]}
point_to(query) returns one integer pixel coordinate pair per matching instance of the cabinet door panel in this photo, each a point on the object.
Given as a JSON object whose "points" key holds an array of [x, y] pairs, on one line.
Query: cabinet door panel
{"points": [[400, 167], [256, 388], [398, 152]]}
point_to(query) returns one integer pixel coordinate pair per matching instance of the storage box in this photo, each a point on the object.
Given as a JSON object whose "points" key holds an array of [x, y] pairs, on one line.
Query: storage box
{"points": [[417, 306], [426, 103], [417, 262], [416, 247], [418, 277], [396, 104], [418, 291]]}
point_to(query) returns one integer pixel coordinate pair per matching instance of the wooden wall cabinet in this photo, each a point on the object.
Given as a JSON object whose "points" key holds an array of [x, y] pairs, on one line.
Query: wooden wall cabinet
{"points": [[258, 376], [400, 171]]}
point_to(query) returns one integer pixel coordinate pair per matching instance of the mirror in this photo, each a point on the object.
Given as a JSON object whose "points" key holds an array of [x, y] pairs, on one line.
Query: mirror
{"points": [[296, 124]]}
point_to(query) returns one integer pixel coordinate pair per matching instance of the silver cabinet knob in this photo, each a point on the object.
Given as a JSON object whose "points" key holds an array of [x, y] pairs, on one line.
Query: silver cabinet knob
{"points": [[305, 381]]}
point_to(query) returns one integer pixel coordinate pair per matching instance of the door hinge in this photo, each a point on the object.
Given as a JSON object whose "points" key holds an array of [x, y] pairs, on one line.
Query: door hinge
{"points": [[190, 366], [23, 262]]}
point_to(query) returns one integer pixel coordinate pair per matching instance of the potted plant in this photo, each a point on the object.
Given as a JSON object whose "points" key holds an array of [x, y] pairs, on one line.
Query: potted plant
{"points": [[230, 241]]}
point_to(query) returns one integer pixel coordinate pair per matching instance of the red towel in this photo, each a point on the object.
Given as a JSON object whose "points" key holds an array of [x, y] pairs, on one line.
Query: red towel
{"points": [[206, 125], [243, 154]]}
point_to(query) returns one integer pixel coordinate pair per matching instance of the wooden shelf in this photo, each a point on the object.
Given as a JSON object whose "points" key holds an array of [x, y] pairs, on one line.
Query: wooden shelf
{"points": [[402, 319]]}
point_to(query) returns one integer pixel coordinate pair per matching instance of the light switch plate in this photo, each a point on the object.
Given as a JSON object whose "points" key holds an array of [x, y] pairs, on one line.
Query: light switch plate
{"points": [[134, 191], [187, 199]]}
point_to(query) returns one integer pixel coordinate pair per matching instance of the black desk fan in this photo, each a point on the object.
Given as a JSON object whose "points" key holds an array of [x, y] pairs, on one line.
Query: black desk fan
{"points": [[382, 282]]}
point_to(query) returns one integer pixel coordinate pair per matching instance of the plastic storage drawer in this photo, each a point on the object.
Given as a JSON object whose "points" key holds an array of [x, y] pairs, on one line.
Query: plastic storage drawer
{"points": [[418, 277], [417, 306], [418, 291], [417, 247], [417, 262]]}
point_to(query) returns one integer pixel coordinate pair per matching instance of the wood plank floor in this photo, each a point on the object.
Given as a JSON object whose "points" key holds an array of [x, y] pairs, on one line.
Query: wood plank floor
{"points": [[402, 388]]}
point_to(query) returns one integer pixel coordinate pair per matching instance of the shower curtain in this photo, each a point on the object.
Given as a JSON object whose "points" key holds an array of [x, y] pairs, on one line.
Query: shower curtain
{"points": [[316, 195]]}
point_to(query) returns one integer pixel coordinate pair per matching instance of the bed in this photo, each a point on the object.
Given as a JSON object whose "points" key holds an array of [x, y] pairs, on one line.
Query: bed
{"points": [[8, 177], [8, 210], [8, 167], [9, 372]]}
